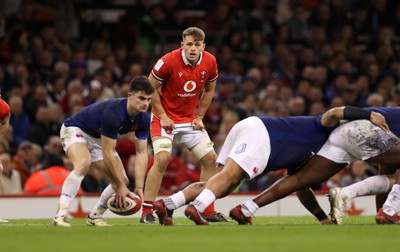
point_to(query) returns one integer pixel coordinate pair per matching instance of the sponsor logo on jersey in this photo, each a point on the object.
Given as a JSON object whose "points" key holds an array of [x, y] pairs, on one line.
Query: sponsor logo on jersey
{"points": [[159, 64], [189, 86], [186, 95], [79, 135]]}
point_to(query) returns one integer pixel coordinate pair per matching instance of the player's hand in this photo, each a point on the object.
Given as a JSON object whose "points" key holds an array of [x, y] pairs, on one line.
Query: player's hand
{"points": [[167, 124], [139, 192], [379, 120], [197, 124], [120, 194]]}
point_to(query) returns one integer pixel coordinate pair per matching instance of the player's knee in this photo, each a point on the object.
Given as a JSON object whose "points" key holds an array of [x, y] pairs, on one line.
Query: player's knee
{"points": [[162, 145], [82, 167], [161, 161], [204, 151]]}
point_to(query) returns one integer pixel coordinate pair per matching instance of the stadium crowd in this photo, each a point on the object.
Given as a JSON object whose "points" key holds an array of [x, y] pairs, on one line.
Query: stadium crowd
{"points": [[275, 58]]}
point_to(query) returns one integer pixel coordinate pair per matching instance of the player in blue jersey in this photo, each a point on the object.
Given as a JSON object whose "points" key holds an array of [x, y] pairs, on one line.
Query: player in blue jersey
{"points": [[89, 139], [255, 145], [349, 142]]}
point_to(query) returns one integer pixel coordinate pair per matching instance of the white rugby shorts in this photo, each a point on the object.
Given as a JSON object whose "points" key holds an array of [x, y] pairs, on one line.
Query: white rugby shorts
{"points": [[357, 140], [248, 144], [71, 135]]}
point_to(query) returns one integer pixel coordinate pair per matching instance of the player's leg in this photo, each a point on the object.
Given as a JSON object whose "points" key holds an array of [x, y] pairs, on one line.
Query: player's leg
{"points": [[204, 151], [220, 185], [79, 155], [388, 213], [162, 154], [381, 198], [164, 208], [95, 218], [317, 170]]}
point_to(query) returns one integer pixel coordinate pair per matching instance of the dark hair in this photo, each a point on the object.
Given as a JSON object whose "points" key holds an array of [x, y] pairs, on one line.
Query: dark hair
{"points": [[141, 83]]}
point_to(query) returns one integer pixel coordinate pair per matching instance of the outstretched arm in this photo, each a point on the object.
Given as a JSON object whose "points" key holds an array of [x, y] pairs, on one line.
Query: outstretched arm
{"points": [[332, 117], [307, 198], [114, 170], [140, 168]]}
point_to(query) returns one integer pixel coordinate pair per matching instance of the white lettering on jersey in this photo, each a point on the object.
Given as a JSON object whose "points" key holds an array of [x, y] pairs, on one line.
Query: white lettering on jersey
{"points": [[180, 74], [189, 86], [186, 95], [159, 64]]}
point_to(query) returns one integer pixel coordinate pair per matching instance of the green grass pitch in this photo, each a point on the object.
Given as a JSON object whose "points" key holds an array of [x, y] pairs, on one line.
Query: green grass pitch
{"points": [[266, 234]]}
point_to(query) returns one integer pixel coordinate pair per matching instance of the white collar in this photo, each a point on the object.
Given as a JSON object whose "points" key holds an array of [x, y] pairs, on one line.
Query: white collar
{"points": [[186, 61]]}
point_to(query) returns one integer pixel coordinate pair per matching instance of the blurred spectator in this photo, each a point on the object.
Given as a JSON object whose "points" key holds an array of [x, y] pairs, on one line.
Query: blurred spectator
{"points": [[94, 92], [297, 106], [19, 120], [10, 181], [43, 127], [74, 87], [36, 100], [24, 160], [56, 88], [53, 146], [48, 180]]}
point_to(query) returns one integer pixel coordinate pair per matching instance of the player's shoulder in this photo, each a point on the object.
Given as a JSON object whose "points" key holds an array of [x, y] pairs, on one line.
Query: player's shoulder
{"points": [[172, 55], [208, 56]]}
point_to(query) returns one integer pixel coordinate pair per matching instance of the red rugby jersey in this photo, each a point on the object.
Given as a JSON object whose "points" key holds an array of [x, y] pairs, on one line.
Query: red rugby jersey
{"points": [[182, 84]]}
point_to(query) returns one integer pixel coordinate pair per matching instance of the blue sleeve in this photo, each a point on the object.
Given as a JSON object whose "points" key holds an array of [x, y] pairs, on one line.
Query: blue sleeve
{"points": [[143, 130]]}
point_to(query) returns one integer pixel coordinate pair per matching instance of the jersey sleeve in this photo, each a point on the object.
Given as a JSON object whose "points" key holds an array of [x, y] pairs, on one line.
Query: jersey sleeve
{"points": [[213, 70], [161, 69], [143, 131]]}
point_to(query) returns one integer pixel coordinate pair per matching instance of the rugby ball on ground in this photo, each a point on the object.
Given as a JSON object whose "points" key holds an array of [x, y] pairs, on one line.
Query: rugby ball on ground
{"points": [[133, 204]]}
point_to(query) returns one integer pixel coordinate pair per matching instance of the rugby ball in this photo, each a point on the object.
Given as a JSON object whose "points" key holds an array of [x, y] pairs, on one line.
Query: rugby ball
{"points": [[133, 204]]}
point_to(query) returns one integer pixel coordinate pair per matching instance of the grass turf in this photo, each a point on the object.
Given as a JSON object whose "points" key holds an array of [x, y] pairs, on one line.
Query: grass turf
{"points": [[266, 234]]}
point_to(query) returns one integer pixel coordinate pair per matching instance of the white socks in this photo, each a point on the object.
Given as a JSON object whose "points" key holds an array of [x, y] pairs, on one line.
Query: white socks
{"points": [[101, 205], [393, 201], [370, 186], [205, 198], [69, 190], [249, 207], [175, 201]]}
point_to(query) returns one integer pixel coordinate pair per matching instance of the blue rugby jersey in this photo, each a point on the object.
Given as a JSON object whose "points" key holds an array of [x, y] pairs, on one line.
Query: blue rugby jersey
{"points": [[294, 139], [110, 118]]}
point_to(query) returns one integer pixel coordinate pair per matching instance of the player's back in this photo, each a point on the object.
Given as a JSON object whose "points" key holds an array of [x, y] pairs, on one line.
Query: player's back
{"points": [[294, 139], [392, 116]]}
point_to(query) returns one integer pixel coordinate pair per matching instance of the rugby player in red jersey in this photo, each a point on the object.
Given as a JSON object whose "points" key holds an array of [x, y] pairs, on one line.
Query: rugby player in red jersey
{"points": [[185, 79]]}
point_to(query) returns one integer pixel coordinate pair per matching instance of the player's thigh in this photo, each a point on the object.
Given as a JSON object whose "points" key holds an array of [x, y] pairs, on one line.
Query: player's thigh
{"points": [[389, 159], [317, 170], [248, 144], [107, 171], [79, 155]]}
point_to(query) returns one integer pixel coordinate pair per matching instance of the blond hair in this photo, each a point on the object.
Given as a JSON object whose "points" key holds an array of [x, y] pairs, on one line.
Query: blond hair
{"points": [[197, 33]]}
